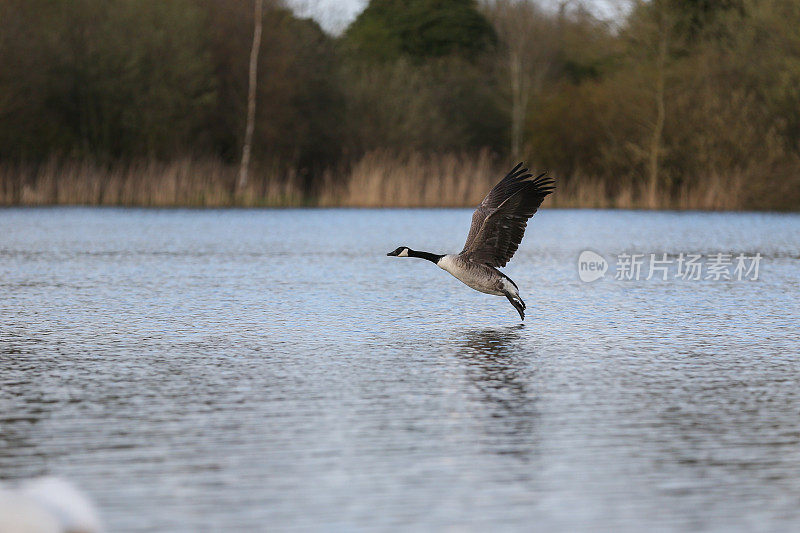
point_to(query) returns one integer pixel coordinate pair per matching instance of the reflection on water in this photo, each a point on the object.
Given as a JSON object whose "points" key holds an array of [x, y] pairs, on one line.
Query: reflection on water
{"points": [[501, 370], [236, 370]]}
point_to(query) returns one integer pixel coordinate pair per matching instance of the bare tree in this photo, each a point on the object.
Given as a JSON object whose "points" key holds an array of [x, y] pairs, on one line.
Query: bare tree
{"points": [[244, 169], [531, 48], [663, 33]]}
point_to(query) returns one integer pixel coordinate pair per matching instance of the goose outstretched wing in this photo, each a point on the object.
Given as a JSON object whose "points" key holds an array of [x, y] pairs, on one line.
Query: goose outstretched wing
{"points": [[499, 222]]}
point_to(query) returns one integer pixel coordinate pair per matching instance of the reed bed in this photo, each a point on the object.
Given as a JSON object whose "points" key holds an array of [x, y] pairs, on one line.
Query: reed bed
{"points": [[382, 179], [378, 179], [187, 182]]}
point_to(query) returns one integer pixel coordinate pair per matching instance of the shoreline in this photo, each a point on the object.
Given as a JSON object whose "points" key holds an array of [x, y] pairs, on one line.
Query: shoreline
{"points": [[377, 180]]}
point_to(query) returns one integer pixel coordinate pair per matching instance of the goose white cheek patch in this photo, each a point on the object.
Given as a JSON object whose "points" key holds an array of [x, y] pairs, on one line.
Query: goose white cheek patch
{"points": [[404, 253]]}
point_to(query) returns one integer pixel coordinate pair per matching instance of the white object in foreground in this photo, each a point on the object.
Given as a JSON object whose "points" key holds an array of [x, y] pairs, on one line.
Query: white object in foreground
{"points": [[46, 505]]}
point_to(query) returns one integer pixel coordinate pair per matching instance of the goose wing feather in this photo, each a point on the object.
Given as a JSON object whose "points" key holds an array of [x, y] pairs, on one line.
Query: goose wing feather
{"points": [[499, 222]]}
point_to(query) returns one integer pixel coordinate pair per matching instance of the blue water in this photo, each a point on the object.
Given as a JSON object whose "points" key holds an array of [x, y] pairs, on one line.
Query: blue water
{"points": [[247, 370]]}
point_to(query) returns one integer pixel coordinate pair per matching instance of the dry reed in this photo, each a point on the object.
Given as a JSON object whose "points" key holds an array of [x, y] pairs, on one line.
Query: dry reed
{"points": [[187, 182], [378, 179]]}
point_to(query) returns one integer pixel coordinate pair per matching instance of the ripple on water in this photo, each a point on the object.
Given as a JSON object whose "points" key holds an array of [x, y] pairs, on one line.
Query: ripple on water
{"points": [[197, 370]]}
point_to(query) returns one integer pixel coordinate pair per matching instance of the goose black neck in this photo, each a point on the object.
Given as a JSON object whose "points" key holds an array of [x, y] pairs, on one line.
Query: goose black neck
{"points": [[425, 255]]}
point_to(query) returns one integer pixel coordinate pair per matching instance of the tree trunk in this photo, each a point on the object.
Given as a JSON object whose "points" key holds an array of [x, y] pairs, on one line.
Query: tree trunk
{"points": [[658, 127], [518, 103], [244, 169]]}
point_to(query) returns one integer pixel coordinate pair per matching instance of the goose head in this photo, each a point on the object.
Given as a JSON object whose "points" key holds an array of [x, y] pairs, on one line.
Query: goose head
{"points": [[402, 251]]}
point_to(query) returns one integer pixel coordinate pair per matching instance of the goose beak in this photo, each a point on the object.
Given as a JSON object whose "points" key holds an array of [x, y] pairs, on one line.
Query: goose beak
{"points": [[392, 254]]}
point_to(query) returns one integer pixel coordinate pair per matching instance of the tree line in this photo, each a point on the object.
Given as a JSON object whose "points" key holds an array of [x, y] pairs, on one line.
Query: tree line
{"points": [[671, 96]]}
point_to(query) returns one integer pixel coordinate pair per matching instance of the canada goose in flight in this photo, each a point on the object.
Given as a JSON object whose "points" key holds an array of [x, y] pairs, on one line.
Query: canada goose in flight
{"points": [[498, 225]]}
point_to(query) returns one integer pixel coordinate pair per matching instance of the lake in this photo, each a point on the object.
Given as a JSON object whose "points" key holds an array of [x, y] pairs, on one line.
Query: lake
{"points": [[245, 370]]}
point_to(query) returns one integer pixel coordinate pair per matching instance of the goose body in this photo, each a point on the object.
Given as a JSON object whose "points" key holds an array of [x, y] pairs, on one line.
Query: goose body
{"points": [[498, 225], [482, 278]]}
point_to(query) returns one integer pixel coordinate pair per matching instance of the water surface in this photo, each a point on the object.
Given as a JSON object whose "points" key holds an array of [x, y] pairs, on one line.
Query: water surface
{"points": [[246, 370]]}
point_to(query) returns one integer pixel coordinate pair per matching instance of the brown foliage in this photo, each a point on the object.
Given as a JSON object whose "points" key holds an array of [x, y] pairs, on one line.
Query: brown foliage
{"points": [[142, 102]]}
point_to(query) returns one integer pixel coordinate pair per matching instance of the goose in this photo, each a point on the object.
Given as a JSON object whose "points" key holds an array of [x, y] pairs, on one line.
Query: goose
{"points": [[498, 225]]}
